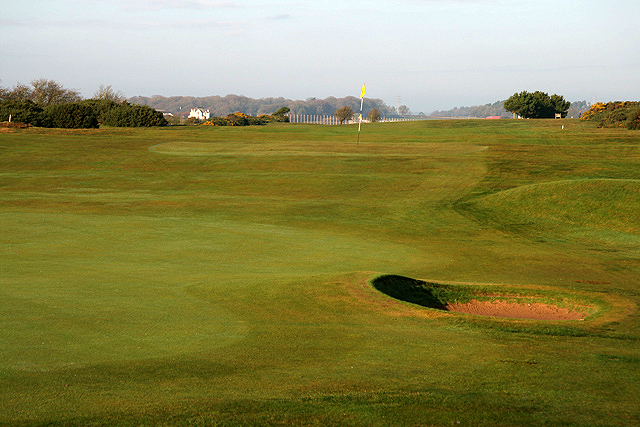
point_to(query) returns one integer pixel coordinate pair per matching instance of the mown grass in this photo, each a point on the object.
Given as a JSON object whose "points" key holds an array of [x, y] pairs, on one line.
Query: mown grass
{"points": [[203, 276]]}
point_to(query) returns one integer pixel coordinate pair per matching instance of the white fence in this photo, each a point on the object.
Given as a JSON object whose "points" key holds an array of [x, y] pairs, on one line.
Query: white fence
{"points": [[332, 120]]}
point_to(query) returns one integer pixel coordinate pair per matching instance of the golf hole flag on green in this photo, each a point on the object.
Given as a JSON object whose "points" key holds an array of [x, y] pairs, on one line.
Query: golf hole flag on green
{"points": [[362, 93]]}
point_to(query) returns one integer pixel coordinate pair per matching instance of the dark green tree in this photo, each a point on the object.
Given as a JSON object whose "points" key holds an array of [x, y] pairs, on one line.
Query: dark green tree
{"points": [[100, 107], [21, 111], [127, 115], [536, 105], [280, 115], [560, 105], [70, 116], [281, 112]]}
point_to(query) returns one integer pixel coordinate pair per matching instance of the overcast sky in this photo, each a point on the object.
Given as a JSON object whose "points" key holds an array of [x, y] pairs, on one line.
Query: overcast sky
{"points": [[426, 54]]}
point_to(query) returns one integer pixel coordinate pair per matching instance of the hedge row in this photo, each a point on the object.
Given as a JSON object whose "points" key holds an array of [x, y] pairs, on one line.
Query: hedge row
{"points": [[241, 119], [81, 115]]}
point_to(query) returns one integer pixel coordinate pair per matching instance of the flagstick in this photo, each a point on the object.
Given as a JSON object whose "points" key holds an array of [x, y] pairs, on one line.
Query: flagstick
{"points": [[360, 121]]}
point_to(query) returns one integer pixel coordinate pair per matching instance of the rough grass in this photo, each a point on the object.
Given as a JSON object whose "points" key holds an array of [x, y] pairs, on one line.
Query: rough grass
{"points": [[199, 276]]}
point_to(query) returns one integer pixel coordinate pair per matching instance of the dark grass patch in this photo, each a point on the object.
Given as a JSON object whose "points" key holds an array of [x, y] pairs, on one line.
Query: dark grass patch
{"points": [[429, 406]]}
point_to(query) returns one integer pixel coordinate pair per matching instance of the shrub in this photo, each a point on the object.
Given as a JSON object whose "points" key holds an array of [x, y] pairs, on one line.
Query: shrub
{"points": [[100, 107], [238, 119], [280, 115], [128, 115], [633, 122], [21, 111], [70, 116], [217, 121], [614, 114]]}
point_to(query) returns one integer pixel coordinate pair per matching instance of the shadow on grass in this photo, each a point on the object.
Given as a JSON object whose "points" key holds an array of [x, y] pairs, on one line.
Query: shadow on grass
{"points": [[415, 291]]}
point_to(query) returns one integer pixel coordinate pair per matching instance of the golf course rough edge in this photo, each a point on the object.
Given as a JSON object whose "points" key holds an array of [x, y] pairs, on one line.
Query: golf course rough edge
{"points": [[499, 301]]}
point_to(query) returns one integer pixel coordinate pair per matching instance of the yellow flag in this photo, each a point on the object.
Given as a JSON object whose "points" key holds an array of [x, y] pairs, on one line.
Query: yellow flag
{"points": [[360, 117], [362, 92]]}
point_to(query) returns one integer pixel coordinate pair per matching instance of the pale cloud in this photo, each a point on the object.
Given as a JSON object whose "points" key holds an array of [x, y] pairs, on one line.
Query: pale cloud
{"points": [[280, 17], [178, 4], [436, 54]]}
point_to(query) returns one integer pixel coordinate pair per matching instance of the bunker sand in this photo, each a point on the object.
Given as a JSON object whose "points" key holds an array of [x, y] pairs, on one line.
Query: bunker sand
{"points": [[513, 310]]}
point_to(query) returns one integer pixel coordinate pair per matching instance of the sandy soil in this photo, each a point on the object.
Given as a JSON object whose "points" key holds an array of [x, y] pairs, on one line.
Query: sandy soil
{"points": [[513, 310]]}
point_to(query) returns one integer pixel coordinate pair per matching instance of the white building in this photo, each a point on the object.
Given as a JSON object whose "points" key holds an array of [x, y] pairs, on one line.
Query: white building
{"points": [[200, 114]]}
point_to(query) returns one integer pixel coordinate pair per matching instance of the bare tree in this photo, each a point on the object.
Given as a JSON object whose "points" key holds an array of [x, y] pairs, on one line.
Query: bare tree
{"points": [[3, 93], [403, 110], [374, 115], [343, 113], [19, 93], [107, 93], [49, 92]]}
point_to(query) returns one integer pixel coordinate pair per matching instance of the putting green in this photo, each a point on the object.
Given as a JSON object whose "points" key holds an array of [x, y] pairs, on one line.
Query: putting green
{"points": [[111, 288]]}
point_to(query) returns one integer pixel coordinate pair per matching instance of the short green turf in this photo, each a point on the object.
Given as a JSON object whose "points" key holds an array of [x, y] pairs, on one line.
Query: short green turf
{"points": [[202, 276]]}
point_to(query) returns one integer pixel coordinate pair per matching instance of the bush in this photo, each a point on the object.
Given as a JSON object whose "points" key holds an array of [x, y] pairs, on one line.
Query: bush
{"points": [[21, 111], [241, 119], [217, 121], [127, 115], [100, 107], [634, 121], [70, 116], [238, 119], [614, 114], [279, 115]]}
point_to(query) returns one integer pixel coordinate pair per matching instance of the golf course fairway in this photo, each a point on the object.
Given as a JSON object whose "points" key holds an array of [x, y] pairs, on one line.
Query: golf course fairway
{"points": [[287, 275]]}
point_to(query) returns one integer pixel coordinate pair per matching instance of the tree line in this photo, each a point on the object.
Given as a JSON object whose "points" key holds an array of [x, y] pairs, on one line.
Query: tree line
{"points": [[486, 110], [575, 109], [224, 105], [46, 103]]}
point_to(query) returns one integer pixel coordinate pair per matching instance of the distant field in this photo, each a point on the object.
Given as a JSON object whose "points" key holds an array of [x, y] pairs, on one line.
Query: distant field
{"points": [[197, 276]]}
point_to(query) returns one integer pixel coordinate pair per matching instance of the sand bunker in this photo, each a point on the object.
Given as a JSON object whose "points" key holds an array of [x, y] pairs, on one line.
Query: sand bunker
{"points": [[481, 301], [512, 310]]}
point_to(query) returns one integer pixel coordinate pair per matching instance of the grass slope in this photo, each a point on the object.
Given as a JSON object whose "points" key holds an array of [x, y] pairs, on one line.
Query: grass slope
{"points": [[601, 210], [218, 276]]}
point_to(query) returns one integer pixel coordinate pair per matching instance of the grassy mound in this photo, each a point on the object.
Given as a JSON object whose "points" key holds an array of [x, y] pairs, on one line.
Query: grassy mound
{"points": [[598, 209]]}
